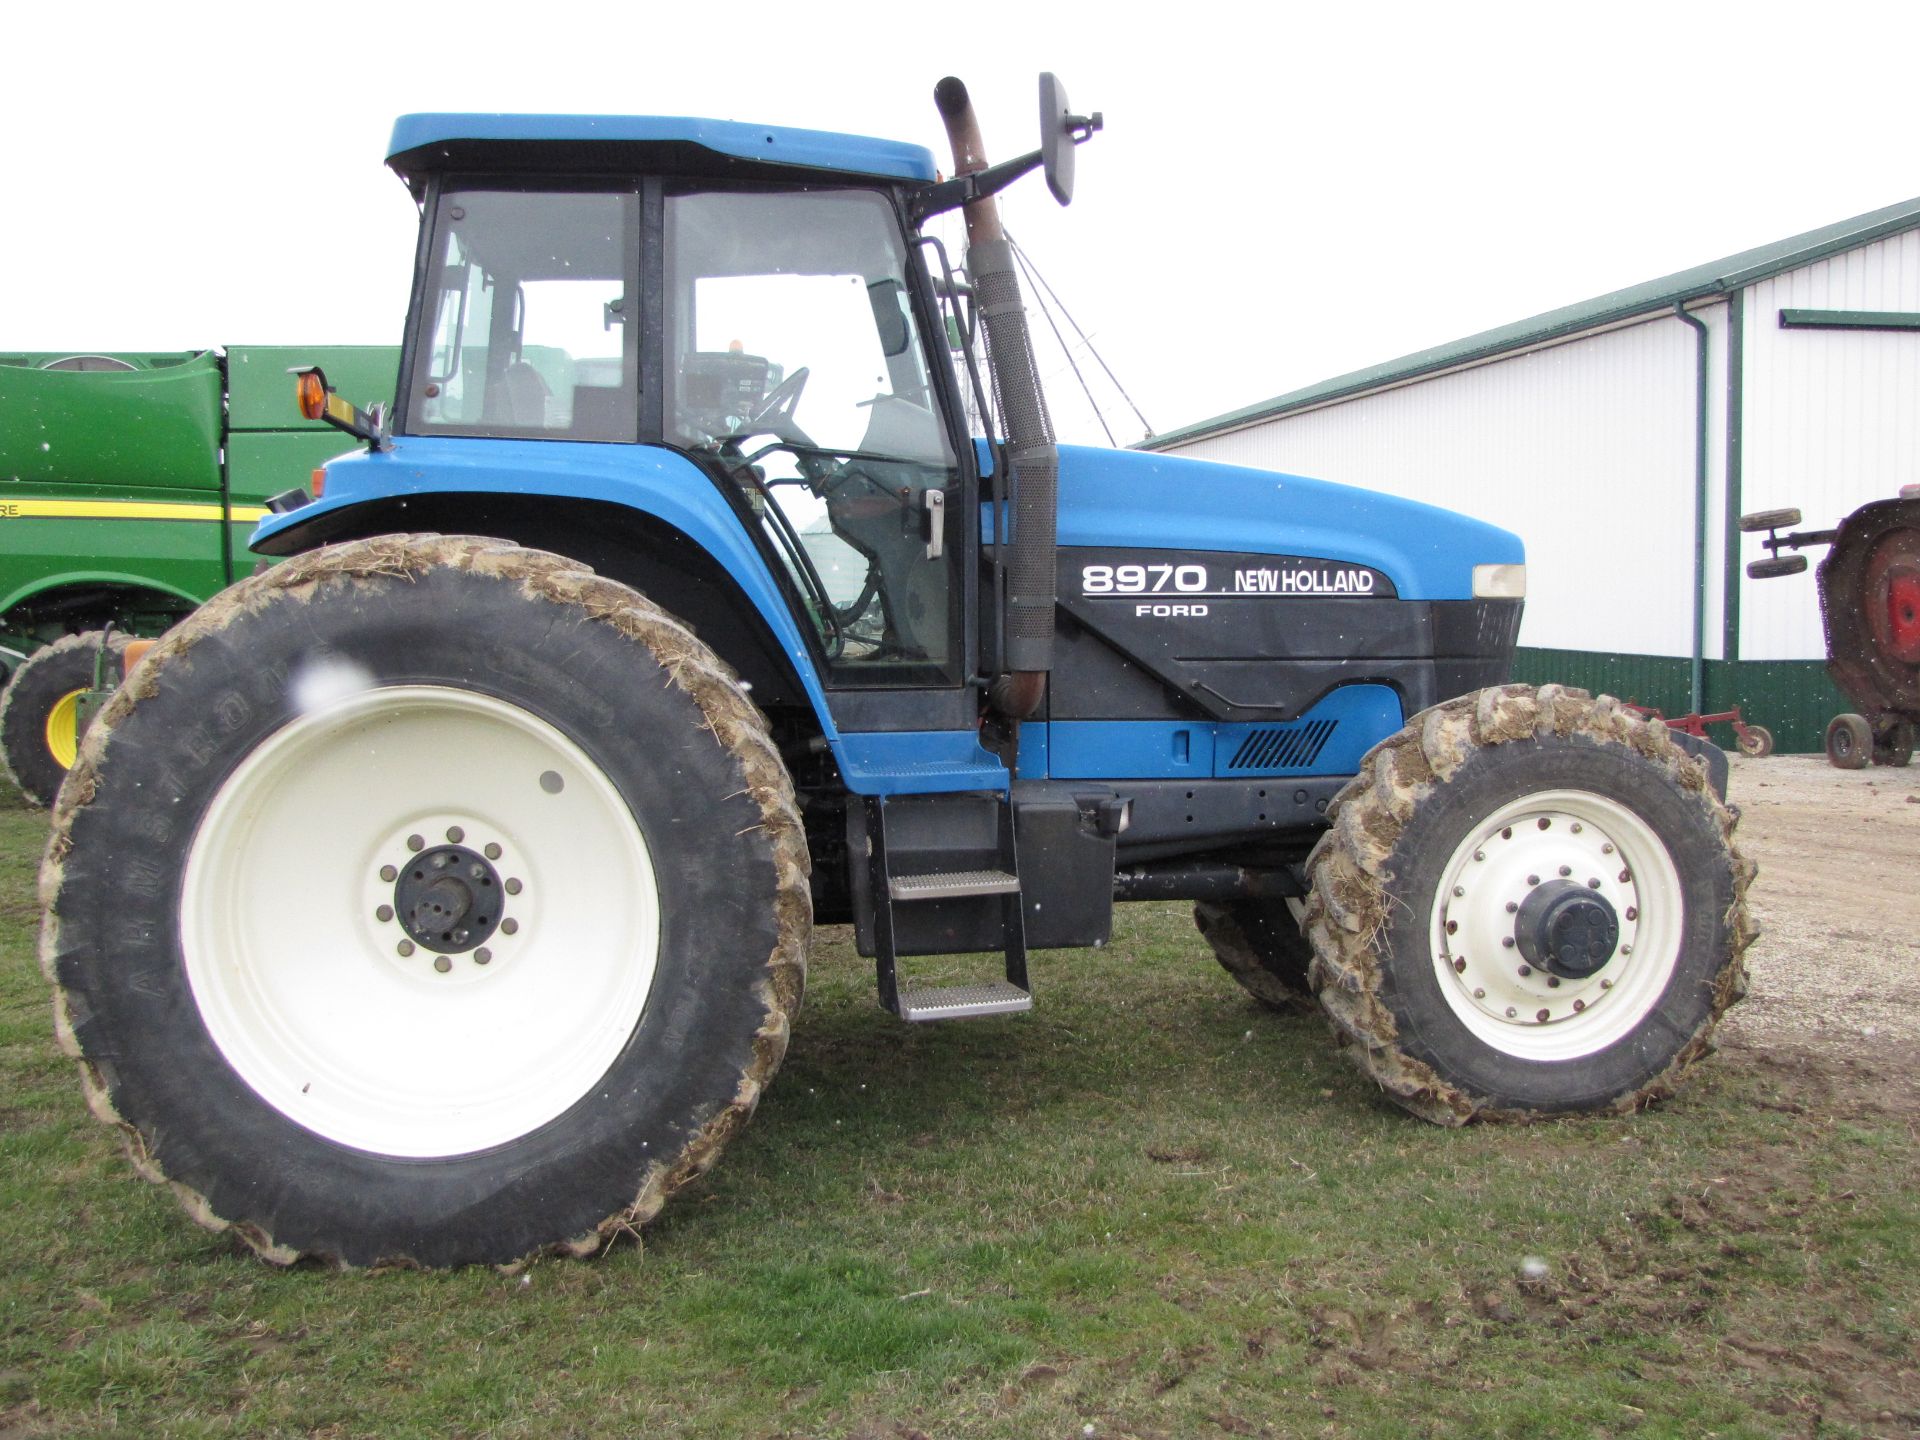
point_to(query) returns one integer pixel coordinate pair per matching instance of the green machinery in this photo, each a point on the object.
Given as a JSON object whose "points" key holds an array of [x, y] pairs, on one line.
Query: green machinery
{"points": [[128, 486]]}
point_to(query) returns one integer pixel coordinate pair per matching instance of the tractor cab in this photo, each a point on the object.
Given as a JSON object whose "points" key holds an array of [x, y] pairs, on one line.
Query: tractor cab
{"points": [[774, 334]]}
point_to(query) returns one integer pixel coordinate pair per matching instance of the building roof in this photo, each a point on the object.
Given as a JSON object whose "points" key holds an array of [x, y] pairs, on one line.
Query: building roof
{"points": [[1717, 277]]}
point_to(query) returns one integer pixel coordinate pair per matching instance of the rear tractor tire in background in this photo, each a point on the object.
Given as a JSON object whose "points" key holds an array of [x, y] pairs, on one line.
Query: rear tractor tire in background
{"points": [[1260, 944], [1849, 742], [39, 710], [426, 901], [1529, 903]]}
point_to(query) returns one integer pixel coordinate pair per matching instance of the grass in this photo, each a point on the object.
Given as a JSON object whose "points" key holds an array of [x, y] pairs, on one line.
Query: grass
{"points": [[1149, 1207]]}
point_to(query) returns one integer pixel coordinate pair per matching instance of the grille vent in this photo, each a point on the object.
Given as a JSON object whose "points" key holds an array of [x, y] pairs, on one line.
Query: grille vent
{"points": [[1283, 747]]}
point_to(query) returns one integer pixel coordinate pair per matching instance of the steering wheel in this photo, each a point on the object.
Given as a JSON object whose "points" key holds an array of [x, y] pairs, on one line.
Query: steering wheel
{"points": [[775, 415]]}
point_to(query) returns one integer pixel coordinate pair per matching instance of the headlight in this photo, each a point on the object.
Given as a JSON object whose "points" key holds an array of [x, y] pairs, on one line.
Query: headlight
{"points": [[1499, 582]]}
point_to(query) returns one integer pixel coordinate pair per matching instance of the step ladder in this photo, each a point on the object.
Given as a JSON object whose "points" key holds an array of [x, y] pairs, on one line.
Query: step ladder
{"points": [[997, 886]]}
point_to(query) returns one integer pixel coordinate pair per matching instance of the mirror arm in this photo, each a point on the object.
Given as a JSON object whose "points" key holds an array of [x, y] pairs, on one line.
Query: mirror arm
{"points": [[964, 189]]}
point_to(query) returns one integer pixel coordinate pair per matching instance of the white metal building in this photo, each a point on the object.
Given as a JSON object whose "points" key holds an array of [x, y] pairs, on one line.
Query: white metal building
{"points": [[1622, 442]]}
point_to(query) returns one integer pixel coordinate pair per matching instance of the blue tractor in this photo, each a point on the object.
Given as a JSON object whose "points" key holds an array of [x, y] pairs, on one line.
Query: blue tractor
{"points": [[442, 895]]}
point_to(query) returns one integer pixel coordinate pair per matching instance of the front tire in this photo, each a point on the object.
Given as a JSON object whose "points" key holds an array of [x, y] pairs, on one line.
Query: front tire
{"points": [[1849, 742], [39, 710], [1260, 944], [1528, 903], [427, 901]]}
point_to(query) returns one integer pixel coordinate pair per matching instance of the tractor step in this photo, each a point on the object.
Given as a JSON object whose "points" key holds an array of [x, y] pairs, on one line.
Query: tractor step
{"points": [[962, 1002], [954, 883], [958, 851]]}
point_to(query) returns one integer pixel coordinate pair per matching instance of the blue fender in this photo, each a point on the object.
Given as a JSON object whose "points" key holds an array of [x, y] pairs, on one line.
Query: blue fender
{"points": [[648, 478]]}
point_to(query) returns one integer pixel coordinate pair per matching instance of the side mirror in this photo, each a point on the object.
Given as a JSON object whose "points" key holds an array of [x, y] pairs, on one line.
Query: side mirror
{"points": [[1060, 131]]}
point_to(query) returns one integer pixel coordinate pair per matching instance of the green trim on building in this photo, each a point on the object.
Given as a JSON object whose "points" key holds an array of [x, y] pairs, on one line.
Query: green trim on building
{"points": [[1792, 698], [1849, 320], [1646, 301]]}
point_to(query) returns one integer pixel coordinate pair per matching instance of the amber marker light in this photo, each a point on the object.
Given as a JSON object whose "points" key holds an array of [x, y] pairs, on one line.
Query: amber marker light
{"points": [[310, 390], [319, 482]]}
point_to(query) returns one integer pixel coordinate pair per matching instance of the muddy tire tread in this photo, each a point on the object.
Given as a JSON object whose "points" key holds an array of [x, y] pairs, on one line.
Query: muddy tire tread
{"points": [[1345, 912], [727, 713]]}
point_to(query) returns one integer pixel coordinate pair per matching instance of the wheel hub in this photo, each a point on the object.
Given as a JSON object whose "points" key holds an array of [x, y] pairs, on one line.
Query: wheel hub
{"points": [[1567, 929], [449, 899]]}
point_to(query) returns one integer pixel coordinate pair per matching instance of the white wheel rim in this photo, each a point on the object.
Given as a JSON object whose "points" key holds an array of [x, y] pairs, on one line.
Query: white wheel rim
{"points": [[301, 981], [1596, 843]]}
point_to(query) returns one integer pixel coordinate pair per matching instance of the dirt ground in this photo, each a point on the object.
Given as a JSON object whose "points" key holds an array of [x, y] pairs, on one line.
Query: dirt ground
{"points": [[1837, 901]]}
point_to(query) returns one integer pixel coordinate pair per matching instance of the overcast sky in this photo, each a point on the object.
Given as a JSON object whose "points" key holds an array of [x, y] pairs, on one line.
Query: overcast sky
{"points": [[1282, 193]]}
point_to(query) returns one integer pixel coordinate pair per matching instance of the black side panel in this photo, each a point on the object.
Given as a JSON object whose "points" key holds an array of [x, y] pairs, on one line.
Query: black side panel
{"points": [[1176, 635]]}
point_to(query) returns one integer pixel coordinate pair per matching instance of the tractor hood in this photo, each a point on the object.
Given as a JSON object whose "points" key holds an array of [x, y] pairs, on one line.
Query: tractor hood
{"points": [[1138, 500]]}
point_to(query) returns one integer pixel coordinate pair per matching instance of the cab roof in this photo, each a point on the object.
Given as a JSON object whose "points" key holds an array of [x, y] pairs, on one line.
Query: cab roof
{"points": [[596, 144]]}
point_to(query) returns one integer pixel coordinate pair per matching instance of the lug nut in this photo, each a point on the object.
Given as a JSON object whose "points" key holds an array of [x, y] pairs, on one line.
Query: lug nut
{"points": [[1458, 891], [1606, 849], [510, 926], [1459, 967], [1533, 879], [383, 914], [1553, 982], [1478, 993], [1479, 854], [1525, 970], [1542, 1016], [1633, 912], [1578, 1006], [1577, 827], [1507, 834], [482, 955], [1625, 876], [1606, 984], [416, 843], [1593, 884], [1545, 822], [1453, 927], [1506, 942], [1626, 949], [442, 964], [1565, 871], [405, 947], [389, 874], [455, 834], [513, 887], [493, 851], [1511, 1012], [1512, 908]]}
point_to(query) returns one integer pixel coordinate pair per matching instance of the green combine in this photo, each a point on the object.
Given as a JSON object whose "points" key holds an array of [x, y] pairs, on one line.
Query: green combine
{"points": [[128, 486]]}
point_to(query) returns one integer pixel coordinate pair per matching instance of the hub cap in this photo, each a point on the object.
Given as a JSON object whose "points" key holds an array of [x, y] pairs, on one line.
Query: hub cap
{"points": [[1557, 925], [468, 938]]}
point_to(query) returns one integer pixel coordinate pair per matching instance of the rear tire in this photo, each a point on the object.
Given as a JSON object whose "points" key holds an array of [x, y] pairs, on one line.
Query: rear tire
{"points": [[39, 730], [1849, 742], [427, 901], [1259, 943], [1475, 807]]}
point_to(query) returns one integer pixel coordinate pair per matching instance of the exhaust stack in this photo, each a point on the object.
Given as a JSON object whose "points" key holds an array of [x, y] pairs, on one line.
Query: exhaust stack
{"points": [[1030, 448]]}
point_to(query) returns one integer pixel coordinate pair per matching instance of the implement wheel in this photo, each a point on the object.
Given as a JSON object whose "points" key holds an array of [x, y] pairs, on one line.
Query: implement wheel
{"points": [[1529, 903], [1849, 742], [1755, 741], [39, 711], [1894, 744], [427, 901], [1258, 943]]}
